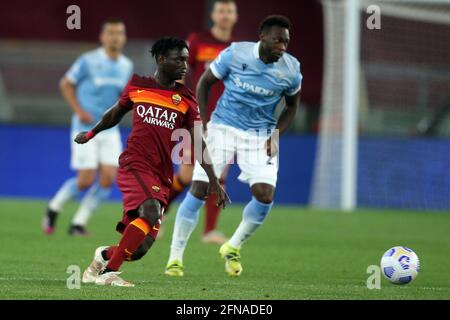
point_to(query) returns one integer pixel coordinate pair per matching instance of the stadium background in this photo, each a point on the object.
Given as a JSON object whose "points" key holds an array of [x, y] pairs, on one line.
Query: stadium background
{"points": [[396, 168], [301, 252]]}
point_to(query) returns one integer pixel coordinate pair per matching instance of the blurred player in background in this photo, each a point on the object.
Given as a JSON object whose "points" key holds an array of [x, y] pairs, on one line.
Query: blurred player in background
{"points": [[256, 77], [92, 84], [204, 47], [160, 105]]}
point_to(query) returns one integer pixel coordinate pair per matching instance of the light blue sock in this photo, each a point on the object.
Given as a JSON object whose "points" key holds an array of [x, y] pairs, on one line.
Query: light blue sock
{"points": [[68, 191], [185, 222], [255, 213], [95, 195]]}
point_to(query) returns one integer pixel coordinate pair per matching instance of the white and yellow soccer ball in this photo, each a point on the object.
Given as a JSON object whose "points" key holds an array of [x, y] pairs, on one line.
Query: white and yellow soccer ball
{"points": [[400, 265]]}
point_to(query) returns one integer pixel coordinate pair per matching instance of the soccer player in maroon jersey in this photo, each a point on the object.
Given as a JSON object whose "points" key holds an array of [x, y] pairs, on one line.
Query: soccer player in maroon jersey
{"points": [[204, 47], [160, 105]]}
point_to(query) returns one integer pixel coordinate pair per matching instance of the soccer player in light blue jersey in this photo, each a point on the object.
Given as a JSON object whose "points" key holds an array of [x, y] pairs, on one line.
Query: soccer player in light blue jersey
{"points": [[256, 77], [92, 85]]}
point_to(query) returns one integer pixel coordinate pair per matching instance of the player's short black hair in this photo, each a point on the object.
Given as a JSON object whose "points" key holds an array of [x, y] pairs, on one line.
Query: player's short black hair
{"points": [[223, 1], [112, 20], [274, 20], [163, 45]]}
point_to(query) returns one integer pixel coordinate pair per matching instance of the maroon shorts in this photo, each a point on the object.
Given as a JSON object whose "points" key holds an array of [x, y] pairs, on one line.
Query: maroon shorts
{"points": [[137, 186]]}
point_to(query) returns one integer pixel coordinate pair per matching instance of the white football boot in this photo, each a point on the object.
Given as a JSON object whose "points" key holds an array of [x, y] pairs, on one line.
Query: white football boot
{"points": [[97, 265], [112, 279]]}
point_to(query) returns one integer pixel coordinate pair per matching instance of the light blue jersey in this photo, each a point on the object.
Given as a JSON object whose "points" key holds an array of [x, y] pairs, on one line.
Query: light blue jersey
{"points": [[99, 81], [253, 89]]}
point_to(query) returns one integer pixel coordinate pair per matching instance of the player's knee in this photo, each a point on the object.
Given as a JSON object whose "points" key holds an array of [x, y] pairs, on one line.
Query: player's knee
{"points": [[106, 181], [265, 198], [199, 189], [151, 211], [85, 182], [107, 176], [263, 193]]}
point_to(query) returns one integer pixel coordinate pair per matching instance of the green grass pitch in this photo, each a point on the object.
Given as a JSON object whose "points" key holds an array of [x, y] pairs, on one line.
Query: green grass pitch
{"points": [[297, 254]]}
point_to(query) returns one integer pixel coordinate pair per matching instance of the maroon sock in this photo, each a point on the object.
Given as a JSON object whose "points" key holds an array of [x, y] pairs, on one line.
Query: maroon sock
{"points": [[109, 252], [132, 238]]}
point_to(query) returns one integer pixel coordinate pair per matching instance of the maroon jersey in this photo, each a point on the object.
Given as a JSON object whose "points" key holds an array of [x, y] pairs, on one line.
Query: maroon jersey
{"points": [[157, 112], [203, 49]]}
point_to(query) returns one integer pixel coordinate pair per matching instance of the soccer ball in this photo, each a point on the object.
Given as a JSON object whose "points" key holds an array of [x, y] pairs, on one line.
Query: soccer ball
{"points": [[400, 265]]}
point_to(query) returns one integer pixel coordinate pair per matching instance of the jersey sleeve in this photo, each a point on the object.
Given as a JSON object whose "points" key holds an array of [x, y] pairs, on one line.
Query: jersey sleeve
{"points": [[221, 66], [296, 83], [192, 42], [124, 100], [192, 117], [77, 71]]}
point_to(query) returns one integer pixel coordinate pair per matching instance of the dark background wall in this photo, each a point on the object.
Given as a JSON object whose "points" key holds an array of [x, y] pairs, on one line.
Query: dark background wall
{"points": [[149, 19]]}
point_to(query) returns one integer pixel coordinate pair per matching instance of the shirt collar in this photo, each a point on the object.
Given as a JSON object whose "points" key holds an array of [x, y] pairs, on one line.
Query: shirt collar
{"points": [[256, 50], [105, 55]]}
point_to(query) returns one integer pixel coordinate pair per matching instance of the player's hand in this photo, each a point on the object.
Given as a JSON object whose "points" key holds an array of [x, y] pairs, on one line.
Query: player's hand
{"points": [[85, 117], [222, 197], [84, 137], [271, 147]]}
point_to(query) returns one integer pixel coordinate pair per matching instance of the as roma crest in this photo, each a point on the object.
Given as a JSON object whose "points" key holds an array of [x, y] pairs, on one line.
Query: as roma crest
{"points": [[176, 99]]}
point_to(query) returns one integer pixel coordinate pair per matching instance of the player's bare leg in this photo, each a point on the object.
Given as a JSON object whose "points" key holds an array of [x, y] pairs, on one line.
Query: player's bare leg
{"points": [[69, 190], [254, 215], [96, 194], [132, 245]]}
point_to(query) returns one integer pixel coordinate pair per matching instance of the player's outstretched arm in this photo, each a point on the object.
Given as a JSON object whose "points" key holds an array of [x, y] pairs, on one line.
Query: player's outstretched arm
{"points": [[285, 120], [111, 118], [202, 94], [214, 184]]}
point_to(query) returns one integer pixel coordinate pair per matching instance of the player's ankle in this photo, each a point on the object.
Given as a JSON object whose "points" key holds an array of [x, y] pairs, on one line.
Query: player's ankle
{"points": [[107, 270], [104, 254]]}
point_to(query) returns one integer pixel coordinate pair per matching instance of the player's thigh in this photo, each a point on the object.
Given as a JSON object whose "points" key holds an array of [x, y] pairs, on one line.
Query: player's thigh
{"points": [[84, 156], [109, 148], [107, 175]]}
